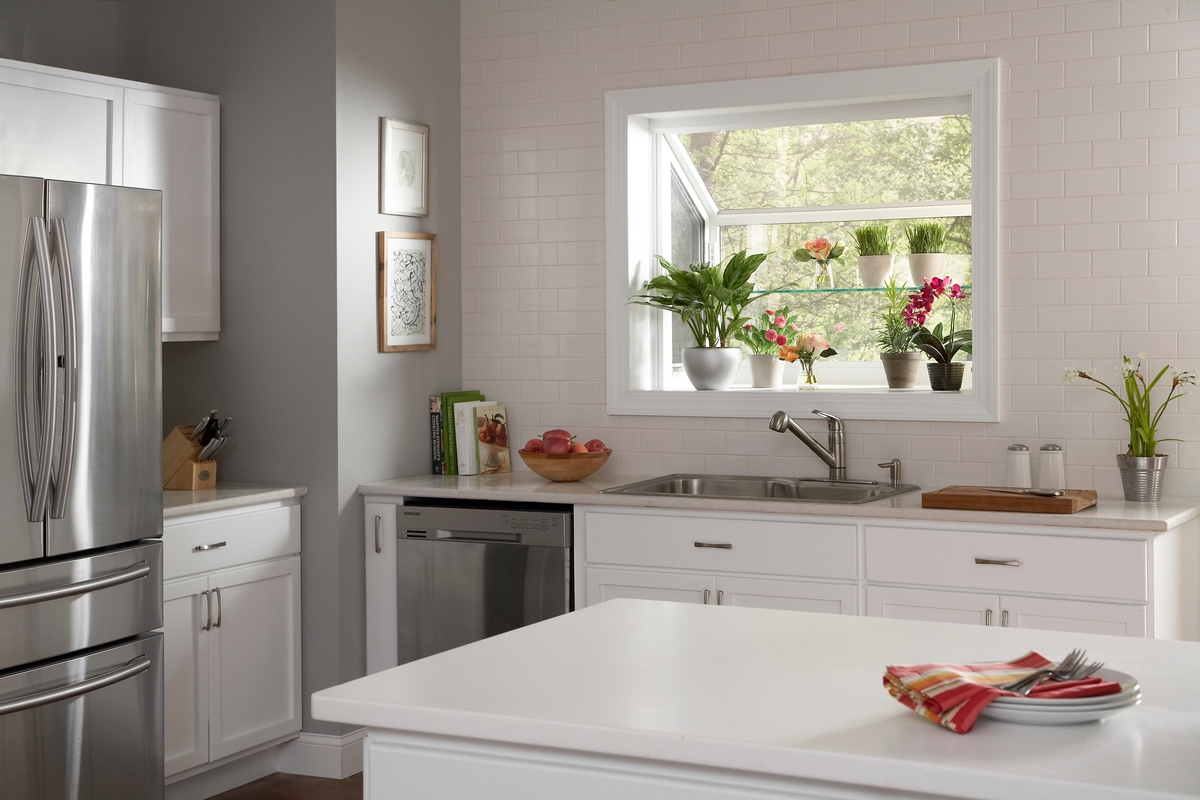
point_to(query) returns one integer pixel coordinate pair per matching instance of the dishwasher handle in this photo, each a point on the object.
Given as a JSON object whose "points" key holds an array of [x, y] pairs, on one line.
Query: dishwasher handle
{"points": [[476, 536]]}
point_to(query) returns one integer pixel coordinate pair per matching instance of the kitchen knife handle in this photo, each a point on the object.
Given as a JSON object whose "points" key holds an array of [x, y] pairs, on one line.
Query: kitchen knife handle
{"points": [[999, 562], [378, 540], [61, 255]]}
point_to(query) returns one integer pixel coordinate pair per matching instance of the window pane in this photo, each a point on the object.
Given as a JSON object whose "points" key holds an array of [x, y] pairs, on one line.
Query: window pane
{"points": [[687, 247], [841, 163], [846, 316]]}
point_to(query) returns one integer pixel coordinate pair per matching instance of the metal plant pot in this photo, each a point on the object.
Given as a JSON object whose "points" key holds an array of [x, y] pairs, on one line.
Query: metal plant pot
{"points": [[711, 368], [766, 371], [901, 368], [1141, 478], [946, 377]]}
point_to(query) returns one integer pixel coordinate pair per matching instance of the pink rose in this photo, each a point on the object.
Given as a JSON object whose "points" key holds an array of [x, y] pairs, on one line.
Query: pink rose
{"points": [[780, 321], [818, 248], [817, 342]]}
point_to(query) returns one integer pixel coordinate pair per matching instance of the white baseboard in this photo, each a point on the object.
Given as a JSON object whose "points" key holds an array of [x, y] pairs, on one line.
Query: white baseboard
{"points": [[314, 754], [323, 756]]}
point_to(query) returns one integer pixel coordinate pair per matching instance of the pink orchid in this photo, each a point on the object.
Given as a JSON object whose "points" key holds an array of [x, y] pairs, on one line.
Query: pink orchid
{"points": [[956, 292]]}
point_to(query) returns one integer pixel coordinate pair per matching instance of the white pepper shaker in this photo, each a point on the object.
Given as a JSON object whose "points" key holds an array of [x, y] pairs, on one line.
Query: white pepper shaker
{"points": [[1050, 468], [1018, 467]]}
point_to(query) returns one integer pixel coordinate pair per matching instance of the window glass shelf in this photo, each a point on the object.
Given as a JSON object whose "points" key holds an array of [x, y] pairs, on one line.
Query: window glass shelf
{"points": [[849, 289]]}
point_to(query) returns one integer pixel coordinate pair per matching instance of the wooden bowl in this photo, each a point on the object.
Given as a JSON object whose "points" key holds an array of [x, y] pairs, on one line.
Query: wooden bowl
{"points": [[565, 466]]}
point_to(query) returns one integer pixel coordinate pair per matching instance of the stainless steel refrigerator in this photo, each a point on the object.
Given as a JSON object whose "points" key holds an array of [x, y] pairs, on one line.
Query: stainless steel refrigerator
{"points": [[80, 492]]}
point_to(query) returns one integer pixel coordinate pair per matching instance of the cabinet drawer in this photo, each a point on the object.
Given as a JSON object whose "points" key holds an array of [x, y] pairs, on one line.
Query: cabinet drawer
{"points": [[1063, 565], [760, 546], [247, 537]]}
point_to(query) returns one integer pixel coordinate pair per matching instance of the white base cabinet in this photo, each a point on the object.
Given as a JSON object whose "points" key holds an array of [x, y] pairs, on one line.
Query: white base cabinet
{"points": [[72, 126], [1074, 580], [231, 635]]}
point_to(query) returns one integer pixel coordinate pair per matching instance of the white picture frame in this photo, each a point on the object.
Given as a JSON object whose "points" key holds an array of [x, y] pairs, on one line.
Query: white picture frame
{"points": [[403, 168], [406, 288]]}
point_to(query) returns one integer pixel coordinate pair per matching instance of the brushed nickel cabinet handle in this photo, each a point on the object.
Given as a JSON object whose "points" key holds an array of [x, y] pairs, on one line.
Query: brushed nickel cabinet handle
{"points": [[999, 562], [200, 548], [378, 540], [706, 597], [220, 613], [987, 617], [1004, 619], [720, 594], [207, 595], [715, 545]]}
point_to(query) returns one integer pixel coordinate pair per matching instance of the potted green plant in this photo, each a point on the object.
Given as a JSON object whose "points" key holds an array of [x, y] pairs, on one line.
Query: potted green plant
{"points": [[772, 330], [926, 250], [896, 350], [709, 298], [874, 246], [945, 374], [1141, 465]]}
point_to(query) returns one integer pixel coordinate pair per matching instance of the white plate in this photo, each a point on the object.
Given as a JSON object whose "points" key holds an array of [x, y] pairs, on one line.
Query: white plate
{"points": [[1129, 687], [1073, 716]]}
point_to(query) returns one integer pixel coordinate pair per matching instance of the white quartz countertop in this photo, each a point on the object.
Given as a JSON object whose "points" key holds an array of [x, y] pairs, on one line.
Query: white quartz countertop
{"points": [[789, 694], [1111, 513], [225, 496]]}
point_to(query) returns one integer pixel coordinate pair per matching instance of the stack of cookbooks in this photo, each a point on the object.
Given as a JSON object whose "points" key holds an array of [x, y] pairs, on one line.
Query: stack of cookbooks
{"points": [[469, 434]]}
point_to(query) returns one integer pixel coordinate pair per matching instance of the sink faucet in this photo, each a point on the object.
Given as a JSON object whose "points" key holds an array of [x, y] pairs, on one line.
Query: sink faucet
{"points": [[834, 456]]}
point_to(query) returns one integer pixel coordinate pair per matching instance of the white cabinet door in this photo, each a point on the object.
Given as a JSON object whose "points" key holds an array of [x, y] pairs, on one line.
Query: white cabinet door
{"points": [[172, 143], [681, 587], [968, 608], [56, 126], [827, 598], [1073, 616], [255, 655], [185, 673]]}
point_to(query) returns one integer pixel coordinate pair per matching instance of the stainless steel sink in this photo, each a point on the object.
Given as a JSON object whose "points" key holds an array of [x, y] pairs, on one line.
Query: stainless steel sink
{"points": [[739, 487]]}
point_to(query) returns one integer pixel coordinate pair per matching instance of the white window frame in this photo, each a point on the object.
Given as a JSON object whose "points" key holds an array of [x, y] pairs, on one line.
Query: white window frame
{"points": [[633, 164]]}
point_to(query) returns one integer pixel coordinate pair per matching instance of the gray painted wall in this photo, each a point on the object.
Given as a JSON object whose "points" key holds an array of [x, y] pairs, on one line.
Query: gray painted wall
{"points": [[302, 85], [398, 59]]}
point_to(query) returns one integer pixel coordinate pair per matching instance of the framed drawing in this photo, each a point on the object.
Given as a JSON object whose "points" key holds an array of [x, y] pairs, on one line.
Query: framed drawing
{"points": [[403, 168], [406, 288]]}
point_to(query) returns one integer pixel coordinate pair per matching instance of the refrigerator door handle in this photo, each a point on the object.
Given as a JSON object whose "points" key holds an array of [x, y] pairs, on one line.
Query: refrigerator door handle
{"points": [[131, 573], [61, 254], [134, 667], [37, 351]]}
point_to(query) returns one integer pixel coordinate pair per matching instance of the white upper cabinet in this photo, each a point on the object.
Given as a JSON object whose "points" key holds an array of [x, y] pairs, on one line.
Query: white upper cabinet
{"points": [[171, 143], [65, 125]]}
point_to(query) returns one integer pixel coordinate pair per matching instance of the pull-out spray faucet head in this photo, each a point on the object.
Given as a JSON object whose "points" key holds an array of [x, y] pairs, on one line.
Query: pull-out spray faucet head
{"points": [[779, 422]]}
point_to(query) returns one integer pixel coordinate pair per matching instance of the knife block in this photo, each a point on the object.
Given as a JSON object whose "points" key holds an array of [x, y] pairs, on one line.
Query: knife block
{"points": [[180, 469]]}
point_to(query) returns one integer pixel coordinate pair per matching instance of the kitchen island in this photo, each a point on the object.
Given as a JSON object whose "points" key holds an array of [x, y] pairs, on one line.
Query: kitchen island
{"points": [[644, 699]]}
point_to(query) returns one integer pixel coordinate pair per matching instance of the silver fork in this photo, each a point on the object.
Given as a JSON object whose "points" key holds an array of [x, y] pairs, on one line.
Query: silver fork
{"points": [[1072, 660], [1078, 673]]}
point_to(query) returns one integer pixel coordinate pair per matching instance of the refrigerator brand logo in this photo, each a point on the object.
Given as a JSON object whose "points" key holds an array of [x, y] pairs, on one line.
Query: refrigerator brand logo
{"points": [[412, 513]]}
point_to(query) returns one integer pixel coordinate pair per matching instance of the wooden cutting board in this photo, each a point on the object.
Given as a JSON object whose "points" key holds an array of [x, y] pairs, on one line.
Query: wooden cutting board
{"points": [[976, 498]]}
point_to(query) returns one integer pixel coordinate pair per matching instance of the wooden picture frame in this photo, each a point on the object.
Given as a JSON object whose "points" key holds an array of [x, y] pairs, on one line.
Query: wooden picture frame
{"points": [[403, 168], [406, 291]]}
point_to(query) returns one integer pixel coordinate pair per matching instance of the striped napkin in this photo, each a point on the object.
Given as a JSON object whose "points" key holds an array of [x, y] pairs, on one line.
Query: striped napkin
{"points": [[954, 694]]}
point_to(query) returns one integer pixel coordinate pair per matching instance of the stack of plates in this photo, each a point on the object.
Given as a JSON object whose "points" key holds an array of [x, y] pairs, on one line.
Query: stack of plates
{"points": [[1032, 711]]}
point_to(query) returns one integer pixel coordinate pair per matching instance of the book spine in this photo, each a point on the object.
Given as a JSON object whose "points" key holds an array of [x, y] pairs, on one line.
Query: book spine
{"points": [[464, 423], [435, 432], [449, 450]]}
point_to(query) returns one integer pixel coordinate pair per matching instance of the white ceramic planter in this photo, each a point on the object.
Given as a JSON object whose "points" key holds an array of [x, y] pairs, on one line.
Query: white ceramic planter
{"points": [[873, 271], [766, 371], [926, 265], [711, 368]]}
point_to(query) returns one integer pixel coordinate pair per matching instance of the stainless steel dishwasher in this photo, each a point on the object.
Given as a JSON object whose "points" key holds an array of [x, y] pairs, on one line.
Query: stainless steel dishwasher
{"points": [[470, 571]]}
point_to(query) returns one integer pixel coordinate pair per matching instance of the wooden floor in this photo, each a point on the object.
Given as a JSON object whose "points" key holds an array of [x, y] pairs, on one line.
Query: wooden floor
{"points": [[297, 787]]}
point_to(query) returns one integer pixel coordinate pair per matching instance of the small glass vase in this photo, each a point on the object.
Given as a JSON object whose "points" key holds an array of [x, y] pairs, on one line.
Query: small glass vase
{"points": [[823, 278], [808, 375]]}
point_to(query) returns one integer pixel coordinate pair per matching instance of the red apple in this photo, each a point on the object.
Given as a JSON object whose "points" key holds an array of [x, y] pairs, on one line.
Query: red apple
{"points": [[533, 446], [595, 446], [557, 433], [578, 448], [556, 446]]}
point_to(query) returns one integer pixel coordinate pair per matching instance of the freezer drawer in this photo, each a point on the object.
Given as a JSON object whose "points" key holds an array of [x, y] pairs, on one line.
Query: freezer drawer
{"points": [[86, 728], [56, 608]]}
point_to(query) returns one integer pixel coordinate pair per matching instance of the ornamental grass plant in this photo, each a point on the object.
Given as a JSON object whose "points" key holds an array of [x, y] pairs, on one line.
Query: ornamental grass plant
{"points": [[872, 240], [926, 237]]}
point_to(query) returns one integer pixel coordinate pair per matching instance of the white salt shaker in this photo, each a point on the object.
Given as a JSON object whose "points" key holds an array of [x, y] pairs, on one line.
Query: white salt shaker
{"points": [[1050, 468], [1018, 467]]}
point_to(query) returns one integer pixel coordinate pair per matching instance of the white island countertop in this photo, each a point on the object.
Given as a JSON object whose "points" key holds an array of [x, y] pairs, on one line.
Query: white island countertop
{"points": [[1110, 513], [747, 697]]}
